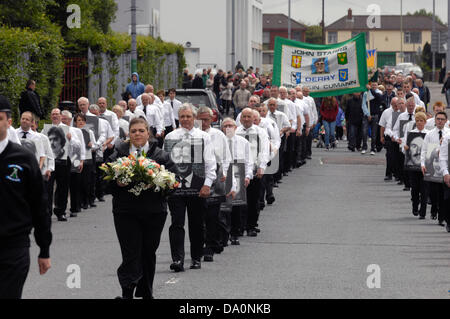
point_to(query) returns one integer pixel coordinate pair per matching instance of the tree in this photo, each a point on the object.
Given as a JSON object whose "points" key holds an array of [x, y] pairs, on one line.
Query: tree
{"points": [[314, 34], [25, 14], [425, 13]]}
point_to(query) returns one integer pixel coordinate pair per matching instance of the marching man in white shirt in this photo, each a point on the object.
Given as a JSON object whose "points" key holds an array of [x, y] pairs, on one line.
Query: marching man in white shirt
{"points": [[436, 191], [259, 142], [199, 187], [240, 152]]}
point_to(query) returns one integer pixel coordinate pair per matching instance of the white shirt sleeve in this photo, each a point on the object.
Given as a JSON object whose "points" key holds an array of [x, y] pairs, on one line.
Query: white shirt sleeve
{"points": [[443, 155], [210, 161]]}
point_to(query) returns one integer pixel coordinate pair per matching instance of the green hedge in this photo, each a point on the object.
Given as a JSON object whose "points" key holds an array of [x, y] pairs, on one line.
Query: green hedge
{"points": [[34, 55]]}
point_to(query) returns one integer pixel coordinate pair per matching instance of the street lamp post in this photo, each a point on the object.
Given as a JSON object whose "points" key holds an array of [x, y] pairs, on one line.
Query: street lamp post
{"points": [[133, 37], [289, 20]]}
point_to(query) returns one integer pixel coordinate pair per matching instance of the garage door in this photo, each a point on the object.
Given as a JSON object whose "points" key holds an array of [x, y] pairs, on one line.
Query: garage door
{"points": [[386, 58]]}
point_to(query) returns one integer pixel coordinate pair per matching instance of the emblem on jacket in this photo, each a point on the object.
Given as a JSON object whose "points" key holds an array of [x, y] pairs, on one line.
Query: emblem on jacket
{"points": [[14, 176]]}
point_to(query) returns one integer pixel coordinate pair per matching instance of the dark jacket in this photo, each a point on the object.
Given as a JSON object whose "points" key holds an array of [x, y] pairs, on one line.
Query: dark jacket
{"points": [[329, 114], [387, 98], [376, 104], [30, 102], [424, 94], [197, 83], [148, 202], [23, 201], [135, 88], [354, 113]]}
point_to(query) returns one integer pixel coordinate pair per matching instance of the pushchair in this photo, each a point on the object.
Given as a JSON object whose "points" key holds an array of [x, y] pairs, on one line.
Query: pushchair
{"points": [[321, 140]]}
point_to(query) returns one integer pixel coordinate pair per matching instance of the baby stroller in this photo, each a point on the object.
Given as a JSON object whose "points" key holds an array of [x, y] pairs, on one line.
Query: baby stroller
{"points": [[321, 142]]}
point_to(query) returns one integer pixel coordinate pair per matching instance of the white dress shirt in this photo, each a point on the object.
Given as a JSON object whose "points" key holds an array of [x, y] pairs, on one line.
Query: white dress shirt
{"points": [[259, 150], [12, 135], [114, 122], [176, 107], [49, 163], [443, 155], [431, 124], [144, 149], [169, 118], [401, 117], [219, 142], [135, 114], [240, 152], [273, 134], [30, 134], [208, 151], [291, 113], [312, 110], [386, 121], [154, 117], [280, 119], [302, 110], [3, 144], [432, 137], [80, 137]]}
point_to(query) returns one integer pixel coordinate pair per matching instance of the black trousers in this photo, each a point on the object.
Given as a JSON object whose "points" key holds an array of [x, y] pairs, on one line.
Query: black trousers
{"points": [[288, 155], [299, 149], [253, 193], [419, 192], [196, 210], [404, 176], [212, 236], [236, 225], [446, 208], [279, 174], [224, 225], [75, 187], [14, 267], [99, 182], [87, 183], [266, 187], [61, 176], [139, 237], [437, 200], [390, 155], [309, 140]]}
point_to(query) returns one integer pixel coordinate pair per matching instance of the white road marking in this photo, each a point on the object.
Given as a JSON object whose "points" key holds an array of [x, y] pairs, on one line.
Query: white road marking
{"points": [[172, 280]]}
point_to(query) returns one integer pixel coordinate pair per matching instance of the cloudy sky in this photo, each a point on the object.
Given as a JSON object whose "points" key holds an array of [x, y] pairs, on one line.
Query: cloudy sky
{"points": [[310, 11]]}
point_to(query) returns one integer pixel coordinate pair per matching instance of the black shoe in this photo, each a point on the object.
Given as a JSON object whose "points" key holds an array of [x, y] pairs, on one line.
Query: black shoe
{"points": [[285, 174], [388, 178], [85, 207], [447, 227], [208, 258], [275, 185], [177, 266], [270, 200], [101, 199], [92, 205], [257, 230], [400, 183], [397, 179], [251, 233], [433, 217], [62, 218], [308, 157], [280, 182], [422, 217], [196, 264], [73, 214], [415, 213], [441, 223], [406, 189], [235, 241], [261, 206]]}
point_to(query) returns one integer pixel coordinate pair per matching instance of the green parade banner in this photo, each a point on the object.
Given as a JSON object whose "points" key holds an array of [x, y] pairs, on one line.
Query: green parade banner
{"points": [[327, 70]]}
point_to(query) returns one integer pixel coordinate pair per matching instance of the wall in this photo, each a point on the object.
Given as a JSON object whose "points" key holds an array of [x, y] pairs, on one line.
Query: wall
{"points": [[200, 22], [116, 74]]}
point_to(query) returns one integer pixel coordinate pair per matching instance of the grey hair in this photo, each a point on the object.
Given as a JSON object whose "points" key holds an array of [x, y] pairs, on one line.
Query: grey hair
{"points": [[83, 99], [228, 119], [66, 113], [188, 106], [94, 107], [204, 109]]}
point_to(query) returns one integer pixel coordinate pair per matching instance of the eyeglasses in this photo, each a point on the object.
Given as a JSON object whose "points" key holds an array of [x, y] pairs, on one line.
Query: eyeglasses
{"points": [[441, 119]]}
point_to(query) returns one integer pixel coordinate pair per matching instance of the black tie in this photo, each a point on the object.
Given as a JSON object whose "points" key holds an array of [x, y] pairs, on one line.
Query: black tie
{"points": [[139, 152], [171, 103], [410, 117], [24, 135], [440, 135]]}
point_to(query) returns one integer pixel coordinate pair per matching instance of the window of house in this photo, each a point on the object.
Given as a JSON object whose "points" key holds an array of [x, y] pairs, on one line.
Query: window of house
{"points": [[297, 36], [267, 58], [413, 37], [355, 33], [332, 37], [266, 37]]}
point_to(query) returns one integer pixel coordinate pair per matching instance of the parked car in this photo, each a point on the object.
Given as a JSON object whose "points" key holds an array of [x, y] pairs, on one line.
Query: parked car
{"points": [[201, 97], [407, 67]]}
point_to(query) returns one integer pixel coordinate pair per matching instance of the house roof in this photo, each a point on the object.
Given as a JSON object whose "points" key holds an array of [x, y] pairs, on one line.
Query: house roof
{"points": [[280, 21], [388, 22]]}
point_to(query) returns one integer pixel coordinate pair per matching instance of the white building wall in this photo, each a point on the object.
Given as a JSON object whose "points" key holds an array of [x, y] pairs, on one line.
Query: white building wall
{"points": [[200, 22]]}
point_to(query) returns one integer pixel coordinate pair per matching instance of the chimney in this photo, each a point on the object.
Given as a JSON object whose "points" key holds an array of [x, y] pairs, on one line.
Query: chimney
{"points": [[350, 15]]}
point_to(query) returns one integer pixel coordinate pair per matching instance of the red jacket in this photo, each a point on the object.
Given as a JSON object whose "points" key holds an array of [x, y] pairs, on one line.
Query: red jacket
{"points": [[329, 115]]}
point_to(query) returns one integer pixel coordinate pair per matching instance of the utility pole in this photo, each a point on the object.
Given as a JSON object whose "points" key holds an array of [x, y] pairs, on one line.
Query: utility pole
{"points": [[289, 20], [433, 32], [401, 31], [323, 21], [233, 53], [133, 37]]}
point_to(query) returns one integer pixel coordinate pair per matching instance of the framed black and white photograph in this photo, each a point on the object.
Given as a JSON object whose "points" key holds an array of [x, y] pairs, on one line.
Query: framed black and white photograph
{"points": [[30, 145], [236, 170], [395, 116], [433, 173], [126, 118], [402, 127], [75, 158], [108, 118], [87, 140], [412, 155], [59, 143], [92, 124], [187, 154]]}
